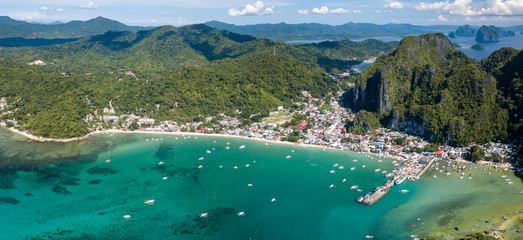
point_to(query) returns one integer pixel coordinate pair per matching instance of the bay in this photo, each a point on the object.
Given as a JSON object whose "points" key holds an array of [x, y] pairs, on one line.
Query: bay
{"points": [[83, 190]]}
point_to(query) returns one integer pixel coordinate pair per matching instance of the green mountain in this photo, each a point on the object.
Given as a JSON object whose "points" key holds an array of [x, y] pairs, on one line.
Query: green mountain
{"points": [[427, 88], [167, 48], [314, 31], [10, 28], [506, 65]]}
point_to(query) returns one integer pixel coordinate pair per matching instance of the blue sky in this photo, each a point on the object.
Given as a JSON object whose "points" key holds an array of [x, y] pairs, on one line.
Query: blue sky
{"points": [[241, 12]]}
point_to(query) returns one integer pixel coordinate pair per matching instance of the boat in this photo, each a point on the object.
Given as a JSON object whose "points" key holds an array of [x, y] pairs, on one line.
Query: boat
{"points": [[380, 160], [399, 180], [247, 165], [273, 200], [227, 148], [352, 168], [461, 177], [363, 166], [504, 218], [149, 202], [341, 167], [126, 217], [164, 178], [335, 165], [355, 160], [240, 213], [359, 190], [221, 166], [331, 186], [343, 180], [332, 171], [360, 199], [200, 166], [242, 147], [404, 191], [208, 151], [353, 186], [214, 141], [228, 143], [369, 237], [377, 170], [200, 158], [288, 156], [434, 176], [204, 215], [385, 171], [235, 167], [107, 161]]}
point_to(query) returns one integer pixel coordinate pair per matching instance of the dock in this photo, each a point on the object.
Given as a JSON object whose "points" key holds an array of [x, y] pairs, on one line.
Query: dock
{"points": [[413, 172]]}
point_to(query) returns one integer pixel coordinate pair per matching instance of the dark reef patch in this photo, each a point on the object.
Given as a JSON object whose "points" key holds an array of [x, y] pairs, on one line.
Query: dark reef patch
{"points": [[7, 178], [165, 151], [102, 171], [61, 190], [8, 200], [96, 181], [175, 172], [204, 226], [29, 194]]}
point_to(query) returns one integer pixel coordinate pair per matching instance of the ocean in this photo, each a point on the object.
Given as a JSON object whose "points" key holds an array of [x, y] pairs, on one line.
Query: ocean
{"points": [[82, 190]]}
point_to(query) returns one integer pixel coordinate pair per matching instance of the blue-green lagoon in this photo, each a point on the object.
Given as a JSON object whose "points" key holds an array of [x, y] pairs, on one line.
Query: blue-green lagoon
{"points": [[82, 190]]}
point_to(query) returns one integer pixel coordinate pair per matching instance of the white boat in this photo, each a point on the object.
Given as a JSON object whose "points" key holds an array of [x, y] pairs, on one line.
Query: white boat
{"points": [[235, 167], [292, 150], [107, 161], [331, 186], [164, 178], [247, 165], [353, 186], [200, 166], [434, 176], [242, 147], [404, 191], [214, 141], [149, 202], [352, 168], [385, 171], [355, 160], [227, 147], [126, 217], [208, 151], [240, 213], [332, 171], [160, 163], [221, 166], [377, 170], [343, 180], [341, 167], [228, 143], [335, 165], [359, 190], [380, 160], [288, 156], [273, 200], [363, 166], [204, 215], [200, 159], [461, 177]]}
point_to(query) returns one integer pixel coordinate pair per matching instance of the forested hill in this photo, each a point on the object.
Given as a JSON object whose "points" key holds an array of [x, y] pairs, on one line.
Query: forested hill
{"points": [[10, 28], [315, 31], [428, 88], [168, 48]]}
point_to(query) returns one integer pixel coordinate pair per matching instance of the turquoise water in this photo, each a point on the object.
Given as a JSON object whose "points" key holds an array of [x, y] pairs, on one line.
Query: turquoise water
{"points": [[71, 191]]}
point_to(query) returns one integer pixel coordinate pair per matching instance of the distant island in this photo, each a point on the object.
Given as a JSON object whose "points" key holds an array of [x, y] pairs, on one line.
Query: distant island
{"points": [[484, 34], [478, 47]]}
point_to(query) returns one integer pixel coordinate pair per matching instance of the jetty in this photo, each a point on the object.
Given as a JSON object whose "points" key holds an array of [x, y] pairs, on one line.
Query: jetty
{"points": [[413, 172]]}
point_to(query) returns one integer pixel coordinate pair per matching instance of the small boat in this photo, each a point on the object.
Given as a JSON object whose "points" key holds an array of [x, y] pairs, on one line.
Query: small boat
{"points": [[235, 167], [380, 160], [385, 171], [368, 236], [227, 147], [200, 159], [363, 166], [247, 165], [164, 178], [273, 200], [377, 170], [208, 151], [292, 150], [240, 214], [126, 217], [204, 215], [355, 160], [510, 182], [359, 190], [332, 171], [353, 186], [504, 176], [242, 147], [335, 165], [434, 176], [461, 177], [149, 202], [343, 180], [200, 166], [331, 186], [160, 163], [214, 141], [470, 178], [404, 191], [221, 166], [228, 143], [288, 157], [107, 161], [352, 168], [341, 167]]}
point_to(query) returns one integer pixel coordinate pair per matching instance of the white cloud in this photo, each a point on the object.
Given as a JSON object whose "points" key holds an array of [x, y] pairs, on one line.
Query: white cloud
{"points": [[89, 5], [28, 16], [464, 7], [396, 5], [442, 19], [325, 10], [303, 12], [249, 9], [490, 19], [48, 10]]}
